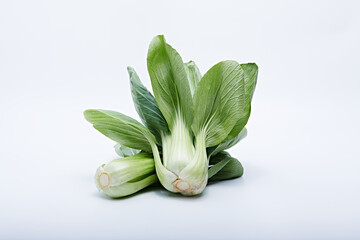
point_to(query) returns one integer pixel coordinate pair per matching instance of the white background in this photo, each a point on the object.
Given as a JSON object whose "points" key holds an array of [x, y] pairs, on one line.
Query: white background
{"points": [[301, 156]]}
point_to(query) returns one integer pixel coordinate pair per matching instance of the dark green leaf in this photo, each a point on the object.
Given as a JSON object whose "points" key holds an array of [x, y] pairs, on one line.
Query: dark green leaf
{"points": [[224, 167], [146, 106]]}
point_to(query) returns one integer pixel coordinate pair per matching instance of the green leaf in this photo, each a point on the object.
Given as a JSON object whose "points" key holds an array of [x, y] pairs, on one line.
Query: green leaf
{"points": [[169, 81], [146, 106], [224, 167], [250, 76], [219, 101], [120, 128], [194, 75], [227, 144], [123, 151]]}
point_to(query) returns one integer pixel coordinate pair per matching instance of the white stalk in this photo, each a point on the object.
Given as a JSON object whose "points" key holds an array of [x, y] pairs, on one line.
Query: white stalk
{"points": [[178, 148], [196, 172], [184, 168], [125, 176]]}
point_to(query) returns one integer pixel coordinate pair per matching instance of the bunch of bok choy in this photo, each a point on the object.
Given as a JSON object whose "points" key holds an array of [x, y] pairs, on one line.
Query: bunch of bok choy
{"points": [[187, 124]]}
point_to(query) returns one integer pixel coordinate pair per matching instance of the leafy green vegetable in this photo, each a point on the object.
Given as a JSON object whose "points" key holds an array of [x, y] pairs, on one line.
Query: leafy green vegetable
{"points": [[217, 105], [130, 133], [125, 176], [171, 86], [193, 118]]}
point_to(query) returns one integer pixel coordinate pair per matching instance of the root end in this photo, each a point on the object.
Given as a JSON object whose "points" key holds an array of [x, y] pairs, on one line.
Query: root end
{"points": [[181, 185], [104, 180]]}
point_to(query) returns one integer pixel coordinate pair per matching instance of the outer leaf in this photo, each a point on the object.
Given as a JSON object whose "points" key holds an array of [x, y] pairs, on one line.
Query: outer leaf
{"points": [[123, 151], [169, 81], [250, 75], [228, 144], [219, 101], [194, 75], [120, 128], [146, 106], [224, 167]]}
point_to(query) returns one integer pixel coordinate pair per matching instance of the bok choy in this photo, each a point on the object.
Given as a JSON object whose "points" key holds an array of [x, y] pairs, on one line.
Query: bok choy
{"points": [[188, 122], [125, 176]]}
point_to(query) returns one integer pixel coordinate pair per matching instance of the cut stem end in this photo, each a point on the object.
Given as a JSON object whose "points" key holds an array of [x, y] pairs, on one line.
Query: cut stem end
{"points": [[181, 185], [104, 180]]}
